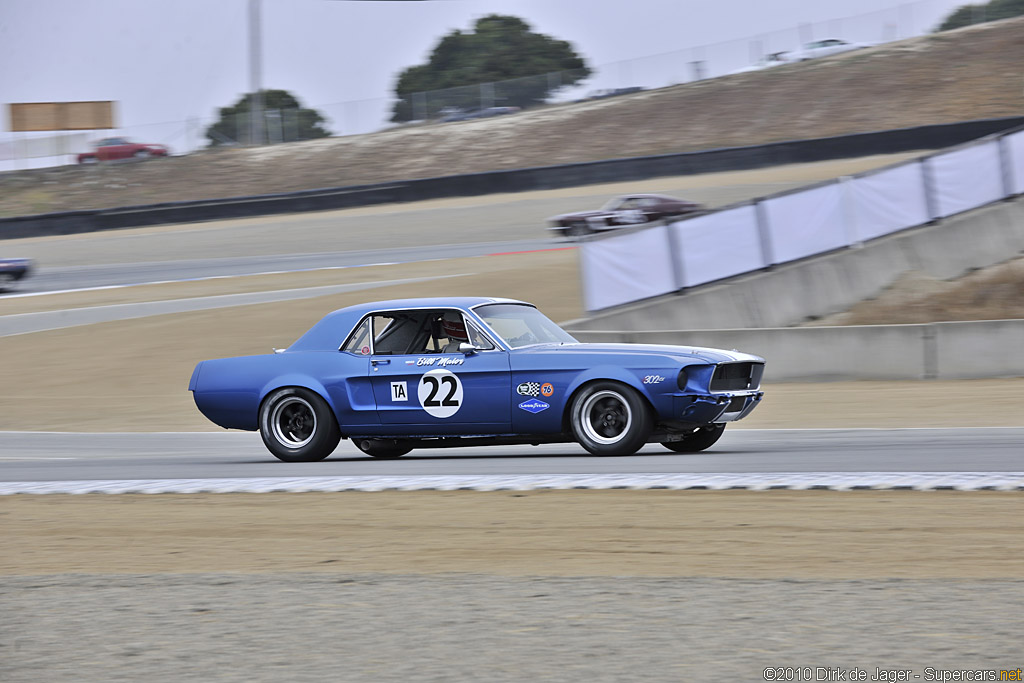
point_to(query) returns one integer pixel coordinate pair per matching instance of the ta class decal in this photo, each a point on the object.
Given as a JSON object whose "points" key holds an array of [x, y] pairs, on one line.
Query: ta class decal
{"points": [[399, 391]]}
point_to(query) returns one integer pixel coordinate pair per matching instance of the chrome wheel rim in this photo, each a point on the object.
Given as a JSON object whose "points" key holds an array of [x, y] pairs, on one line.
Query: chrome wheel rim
{"points": [[605, 417], [293, 422]]}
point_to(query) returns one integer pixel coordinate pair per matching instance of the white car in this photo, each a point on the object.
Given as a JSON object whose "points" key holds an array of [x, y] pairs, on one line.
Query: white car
{"points": [[766, 62], [824, 48]]}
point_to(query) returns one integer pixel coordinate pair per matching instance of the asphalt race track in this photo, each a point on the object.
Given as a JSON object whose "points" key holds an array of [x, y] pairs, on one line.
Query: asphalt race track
{"points": [[34, 456], [70, 278]]}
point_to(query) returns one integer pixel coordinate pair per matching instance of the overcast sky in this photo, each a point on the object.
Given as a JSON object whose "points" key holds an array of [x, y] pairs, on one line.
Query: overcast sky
{"points": [[165, 61]]}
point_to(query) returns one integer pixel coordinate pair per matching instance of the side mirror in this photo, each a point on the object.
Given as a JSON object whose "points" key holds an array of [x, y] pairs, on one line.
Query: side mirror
{"points": [[468, 349]]}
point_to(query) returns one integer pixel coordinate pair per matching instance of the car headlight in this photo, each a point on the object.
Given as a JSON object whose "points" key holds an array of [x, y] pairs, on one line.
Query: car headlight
{"points": [[682, 379]]}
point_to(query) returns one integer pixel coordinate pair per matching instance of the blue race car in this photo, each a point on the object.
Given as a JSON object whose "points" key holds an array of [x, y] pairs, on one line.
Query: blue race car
{"points": [[427, 373]]}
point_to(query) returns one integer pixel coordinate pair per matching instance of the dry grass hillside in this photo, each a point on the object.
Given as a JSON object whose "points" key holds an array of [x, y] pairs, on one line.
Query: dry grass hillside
{"points": [[971, 73], [994, 293]]}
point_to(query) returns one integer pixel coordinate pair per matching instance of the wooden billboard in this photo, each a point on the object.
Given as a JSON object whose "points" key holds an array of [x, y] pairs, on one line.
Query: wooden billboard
{"points": [[37, 116]]}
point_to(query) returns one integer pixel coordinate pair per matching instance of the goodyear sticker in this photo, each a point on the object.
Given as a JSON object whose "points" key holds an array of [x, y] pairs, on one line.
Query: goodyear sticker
{"points": [[534, 406]]}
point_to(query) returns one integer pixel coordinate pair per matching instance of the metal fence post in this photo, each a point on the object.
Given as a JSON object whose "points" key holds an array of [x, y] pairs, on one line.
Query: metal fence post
{"points": [[849, 212], [675, 245], [1006, 165], [764, 234], [931, 201]]}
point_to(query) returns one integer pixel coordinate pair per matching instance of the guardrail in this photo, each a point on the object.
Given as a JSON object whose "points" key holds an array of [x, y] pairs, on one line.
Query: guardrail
{"points": [[646, 262], [517, 180]]}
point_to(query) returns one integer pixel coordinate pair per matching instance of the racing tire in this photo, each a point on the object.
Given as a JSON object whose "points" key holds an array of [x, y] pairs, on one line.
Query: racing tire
{"points": [[702, 439], [297, 425], [608, 418], [578, 229], [384, 449]]}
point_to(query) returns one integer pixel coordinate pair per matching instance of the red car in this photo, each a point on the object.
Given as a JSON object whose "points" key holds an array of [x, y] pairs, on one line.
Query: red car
{"points": [[621, 212], [110, 149]]}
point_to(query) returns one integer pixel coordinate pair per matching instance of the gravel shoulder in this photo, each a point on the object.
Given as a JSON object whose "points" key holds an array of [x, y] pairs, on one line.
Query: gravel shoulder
{"points": [[507, 586], [359, 627]]}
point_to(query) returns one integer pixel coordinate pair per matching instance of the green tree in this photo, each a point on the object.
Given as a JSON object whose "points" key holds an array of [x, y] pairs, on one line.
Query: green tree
{"points": [[976, 14], [519, 68], [284, 117]]}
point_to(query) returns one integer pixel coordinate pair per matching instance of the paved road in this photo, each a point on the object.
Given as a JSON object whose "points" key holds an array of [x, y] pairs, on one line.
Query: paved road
{"points": [[26, 456], [58, 279]]}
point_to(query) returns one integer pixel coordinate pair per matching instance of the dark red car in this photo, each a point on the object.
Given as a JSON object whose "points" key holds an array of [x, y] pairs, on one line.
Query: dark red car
{"points": [[110, 149], [622, 212]]}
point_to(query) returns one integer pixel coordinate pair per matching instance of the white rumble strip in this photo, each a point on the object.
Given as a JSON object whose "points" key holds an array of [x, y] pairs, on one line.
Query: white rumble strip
{"points": [[834, 481]]}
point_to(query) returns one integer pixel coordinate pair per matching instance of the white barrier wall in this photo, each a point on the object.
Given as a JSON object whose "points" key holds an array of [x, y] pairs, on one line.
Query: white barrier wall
{"points": [[887, 201], [966, 178], [645, 263], [627, 268], [718, 245], [805, 223]]}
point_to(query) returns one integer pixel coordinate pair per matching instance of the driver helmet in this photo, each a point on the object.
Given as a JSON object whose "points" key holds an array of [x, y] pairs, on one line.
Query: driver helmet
{"points": [[453, 326]]}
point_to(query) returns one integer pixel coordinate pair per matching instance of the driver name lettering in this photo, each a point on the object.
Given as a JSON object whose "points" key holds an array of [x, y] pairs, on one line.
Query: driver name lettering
{"points": [[440, 362]]}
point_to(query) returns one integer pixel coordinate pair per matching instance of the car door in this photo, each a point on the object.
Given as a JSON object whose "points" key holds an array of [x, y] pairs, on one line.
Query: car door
{"points": [[652, 208], [115, 148], [104, 150], [432, 388]]}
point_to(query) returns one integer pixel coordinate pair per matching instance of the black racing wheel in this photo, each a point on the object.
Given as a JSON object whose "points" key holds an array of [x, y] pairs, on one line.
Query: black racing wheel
{"points": [[297, 425]]}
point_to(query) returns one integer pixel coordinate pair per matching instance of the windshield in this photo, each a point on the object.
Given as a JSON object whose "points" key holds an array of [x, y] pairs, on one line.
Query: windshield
{"points": [[522, 325]]}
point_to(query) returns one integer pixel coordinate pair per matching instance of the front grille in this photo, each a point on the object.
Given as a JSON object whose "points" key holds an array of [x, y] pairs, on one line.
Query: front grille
{"points": [[736, 404], [737, 376]]}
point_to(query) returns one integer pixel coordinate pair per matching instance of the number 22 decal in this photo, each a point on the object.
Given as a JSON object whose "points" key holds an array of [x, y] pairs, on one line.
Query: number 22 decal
{"points": [[440, 393]]}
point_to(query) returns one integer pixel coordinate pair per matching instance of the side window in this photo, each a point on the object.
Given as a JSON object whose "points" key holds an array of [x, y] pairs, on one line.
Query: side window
{"points": [[359, 341], [477, 338], [393, 333]]}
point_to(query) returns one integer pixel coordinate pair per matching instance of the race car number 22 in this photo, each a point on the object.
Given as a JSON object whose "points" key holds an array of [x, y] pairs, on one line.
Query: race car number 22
{"points": [[440, 393]]}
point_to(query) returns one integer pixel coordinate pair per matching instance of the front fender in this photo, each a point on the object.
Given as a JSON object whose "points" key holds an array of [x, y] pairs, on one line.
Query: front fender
{"points": [[604, 372], [615, 374]]}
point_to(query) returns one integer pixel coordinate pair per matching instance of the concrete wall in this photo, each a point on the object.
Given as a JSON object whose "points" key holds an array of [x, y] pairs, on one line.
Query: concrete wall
{"points": [[795, 292], [952, 350]]}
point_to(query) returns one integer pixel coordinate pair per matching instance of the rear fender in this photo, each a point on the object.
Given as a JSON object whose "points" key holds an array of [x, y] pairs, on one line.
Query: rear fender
{"points": [[297, 380]]}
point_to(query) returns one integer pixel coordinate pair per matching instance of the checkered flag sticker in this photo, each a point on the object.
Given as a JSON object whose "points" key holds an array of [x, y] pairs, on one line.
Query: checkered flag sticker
{"points": [[529, 389]]}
